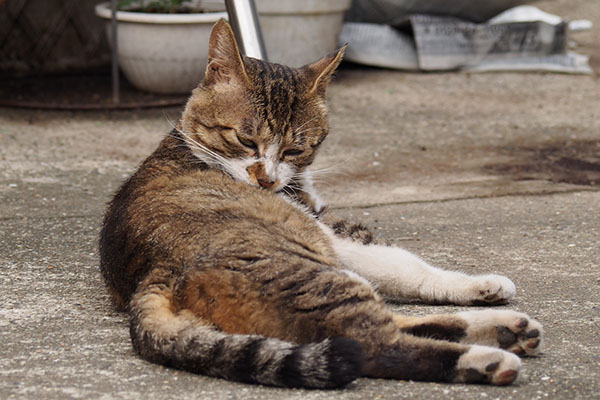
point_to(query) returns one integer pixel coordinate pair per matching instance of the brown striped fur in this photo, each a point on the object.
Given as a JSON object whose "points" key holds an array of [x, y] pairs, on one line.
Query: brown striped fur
{"points": [[229, 278]]}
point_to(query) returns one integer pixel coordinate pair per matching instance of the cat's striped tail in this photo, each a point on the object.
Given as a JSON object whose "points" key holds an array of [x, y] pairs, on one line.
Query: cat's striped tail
{"points": [[181, 340]]}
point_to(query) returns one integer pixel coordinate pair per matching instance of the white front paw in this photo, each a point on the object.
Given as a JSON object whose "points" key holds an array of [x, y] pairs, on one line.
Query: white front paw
{"points": [[491, 289]]}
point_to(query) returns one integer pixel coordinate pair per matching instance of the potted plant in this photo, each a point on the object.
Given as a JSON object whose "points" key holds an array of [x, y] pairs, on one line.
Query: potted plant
{"points": [[163, 44], [298, 32]]}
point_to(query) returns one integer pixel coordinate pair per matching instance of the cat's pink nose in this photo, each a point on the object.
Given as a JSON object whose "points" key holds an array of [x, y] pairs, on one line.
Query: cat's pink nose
{"points": [[267, 184]]}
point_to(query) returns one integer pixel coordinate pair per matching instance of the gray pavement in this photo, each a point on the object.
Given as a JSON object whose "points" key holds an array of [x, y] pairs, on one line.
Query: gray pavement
{"points": [[482, 173]]}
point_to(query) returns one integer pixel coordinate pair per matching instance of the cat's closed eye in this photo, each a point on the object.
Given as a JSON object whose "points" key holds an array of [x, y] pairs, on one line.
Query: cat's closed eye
{"points": [[222, 128], [247, 143], [292, 152]]}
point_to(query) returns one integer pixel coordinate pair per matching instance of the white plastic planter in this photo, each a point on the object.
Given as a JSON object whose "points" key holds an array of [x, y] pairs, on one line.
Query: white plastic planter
{"points": [[298, 32], [162, 53]]}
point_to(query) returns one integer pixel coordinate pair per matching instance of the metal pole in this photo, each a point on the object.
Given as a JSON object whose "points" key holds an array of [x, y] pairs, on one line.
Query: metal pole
{"points": [[244, 21], [115, 56]]}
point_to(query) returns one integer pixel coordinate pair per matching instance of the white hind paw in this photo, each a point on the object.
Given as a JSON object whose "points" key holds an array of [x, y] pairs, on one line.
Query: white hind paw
{"points": [[521, 334], [510, 330], [481, 364]]}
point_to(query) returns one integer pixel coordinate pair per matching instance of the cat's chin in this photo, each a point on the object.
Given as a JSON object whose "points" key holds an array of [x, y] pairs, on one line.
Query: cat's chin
{"points": [[276, 188]]}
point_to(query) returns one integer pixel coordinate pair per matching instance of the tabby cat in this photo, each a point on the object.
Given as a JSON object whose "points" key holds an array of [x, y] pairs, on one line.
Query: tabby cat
{"points": [[217, 250]]}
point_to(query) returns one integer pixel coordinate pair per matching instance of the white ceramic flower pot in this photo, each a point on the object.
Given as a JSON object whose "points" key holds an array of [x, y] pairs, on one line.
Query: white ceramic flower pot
{"points": [[298, 32], [162, 53]]}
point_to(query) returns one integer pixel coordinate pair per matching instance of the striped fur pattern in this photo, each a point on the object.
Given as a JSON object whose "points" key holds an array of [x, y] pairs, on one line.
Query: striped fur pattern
{"points": [[215, 249], [183, 340]]}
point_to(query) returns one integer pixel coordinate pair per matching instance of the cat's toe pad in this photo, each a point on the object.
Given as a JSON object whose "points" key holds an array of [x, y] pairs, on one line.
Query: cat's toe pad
{"points": [[482, 364], [521, 335]]}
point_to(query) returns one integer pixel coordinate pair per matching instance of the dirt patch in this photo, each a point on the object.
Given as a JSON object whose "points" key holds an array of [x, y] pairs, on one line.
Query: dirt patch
{"points": [[575, 162]]}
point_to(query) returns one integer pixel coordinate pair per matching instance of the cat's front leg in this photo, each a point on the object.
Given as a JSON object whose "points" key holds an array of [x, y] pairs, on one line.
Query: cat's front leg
{"points": [[399, 274], [301, 191]]}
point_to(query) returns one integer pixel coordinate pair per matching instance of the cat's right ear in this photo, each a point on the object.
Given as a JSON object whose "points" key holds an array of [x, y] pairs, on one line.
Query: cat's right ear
{"points": [[225, 64], [321, 71]]}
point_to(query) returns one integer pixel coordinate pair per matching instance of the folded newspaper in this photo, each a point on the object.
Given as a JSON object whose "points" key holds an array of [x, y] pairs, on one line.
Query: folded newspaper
{"points": [[522, 38], [394, 12]]}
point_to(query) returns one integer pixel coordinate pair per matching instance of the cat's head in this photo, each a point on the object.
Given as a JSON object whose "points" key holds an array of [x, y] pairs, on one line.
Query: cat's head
{"points": [[259, 122]]}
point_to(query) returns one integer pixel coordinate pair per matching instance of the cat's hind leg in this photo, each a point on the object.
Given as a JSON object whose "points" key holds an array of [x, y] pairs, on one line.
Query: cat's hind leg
{"points": [[510, 330], [334, 304], [393, 354], [421, 359]]}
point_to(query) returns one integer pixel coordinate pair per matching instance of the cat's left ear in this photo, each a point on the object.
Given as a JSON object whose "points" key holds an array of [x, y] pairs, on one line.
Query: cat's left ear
{"points": [[321, 71], [225, 63]]}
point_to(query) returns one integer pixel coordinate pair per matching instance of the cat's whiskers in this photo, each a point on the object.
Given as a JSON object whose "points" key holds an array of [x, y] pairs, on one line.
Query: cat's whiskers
{"points": [[219, 160], [312, 176], [169, 120], [328, 170], [316, 174], [286, 190], [304, 131], [296, 187], [297, 130], [236, 168], [190, 142]]}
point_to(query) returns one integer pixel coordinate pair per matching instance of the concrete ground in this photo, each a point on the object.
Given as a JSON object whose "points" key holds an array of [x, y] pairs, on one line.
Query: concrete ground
{"points": [[483, 173]]}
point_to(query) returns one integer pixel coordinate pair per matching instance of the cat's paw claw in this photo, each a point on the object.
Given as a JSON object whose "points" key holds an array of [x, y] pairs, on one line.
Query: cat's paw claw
{"points": [[492, 289], [523, 336], [481, 364]]}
